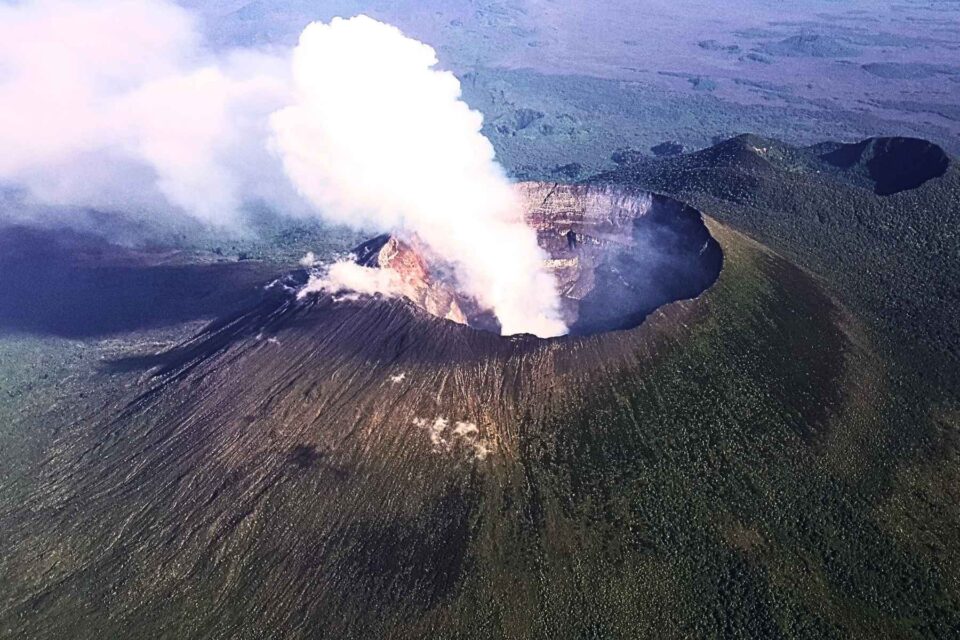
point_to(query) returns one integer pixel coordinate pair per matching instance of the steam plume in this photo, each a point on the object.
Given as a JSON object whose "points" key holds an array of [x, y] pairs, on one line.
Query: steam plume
{"points": [[117, 105], [379, 138]]}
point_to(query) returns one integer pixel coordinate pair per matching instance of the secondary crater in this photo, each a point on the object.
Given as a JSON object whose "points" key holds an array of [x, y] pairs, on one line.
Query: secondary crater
{"points": [[617, 255], [889, 165]]}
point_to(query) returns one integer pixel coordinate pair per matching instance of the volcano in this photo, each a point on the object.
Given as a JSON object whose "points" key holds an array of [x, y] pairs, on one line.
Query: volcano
{"points": [[716, 450], [616, 255], [368, 465]]}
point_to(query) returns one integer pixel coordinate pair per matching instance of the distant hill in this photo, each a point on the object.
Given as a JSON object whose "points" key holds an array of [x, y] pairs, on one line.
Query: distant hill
{"points": [[878, 219], [814, 46]]}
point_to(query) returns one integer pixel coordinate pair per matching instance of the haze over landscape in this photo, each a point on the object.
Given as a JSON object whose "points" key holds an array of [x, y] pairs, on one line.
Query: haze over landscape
{"points": [[479, 319]]}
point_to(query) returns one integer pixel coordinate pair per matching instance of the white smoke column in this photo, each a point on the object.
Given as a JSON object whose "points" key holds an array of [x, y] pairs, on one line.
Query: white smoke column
{"points": [[379, 138]]}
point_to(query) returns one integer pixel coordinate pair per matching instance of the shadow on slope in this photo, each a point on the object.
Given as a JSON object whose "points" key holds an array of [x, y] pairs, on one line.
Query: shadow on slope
{"points": [[75, 285]]}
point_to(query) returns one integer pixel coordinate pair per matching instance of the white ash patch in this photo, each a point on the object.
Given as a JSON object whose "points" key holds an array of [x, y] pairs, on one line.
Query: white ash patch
{"points": [[481, 451], [448, 436], [466, 429], [280, 284], [309, 261]]}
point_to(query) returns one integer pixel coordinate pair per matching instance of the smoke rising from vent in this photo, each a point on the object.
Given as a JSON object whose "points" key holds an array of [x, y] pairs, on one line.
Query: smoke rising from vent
{"points": [[117, 105], [378, 137], [348, 276]]}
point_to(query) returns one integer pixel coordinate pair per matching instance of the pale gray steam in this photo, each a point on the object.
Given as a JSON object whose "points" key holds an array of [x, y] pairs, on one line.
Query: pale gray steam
{"points": [[118, 105], [115, 104]]}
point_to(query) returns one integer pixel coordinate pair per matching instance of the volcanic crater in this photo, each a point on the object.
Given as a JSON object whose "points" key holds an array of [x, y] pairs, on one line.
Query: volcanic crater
{"points": [[617, 255]]}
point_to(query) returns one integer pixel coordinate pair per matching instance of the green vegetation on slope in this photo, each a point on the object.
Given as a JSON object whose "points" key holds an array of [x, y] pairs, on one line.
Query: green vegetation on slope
{"points": [[894, 259], [737, 487]]}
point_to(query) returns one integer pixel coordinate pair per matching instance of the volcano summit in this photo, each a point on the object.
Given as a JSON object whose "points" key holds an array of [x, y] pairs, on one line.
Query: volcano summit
{"points": [[616, 255]]}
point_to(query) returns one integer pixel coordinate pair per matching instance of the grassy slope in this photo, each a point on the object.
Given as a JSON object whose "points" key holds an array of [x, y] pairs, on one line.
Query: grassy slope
{"points": [[894, 259], [740, 486]]}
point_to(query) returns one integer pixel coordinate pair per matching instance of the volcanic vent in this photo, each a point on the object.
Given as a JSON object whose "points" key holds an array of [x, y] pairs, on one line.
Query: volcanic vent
{"points": [[617, 255]]}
